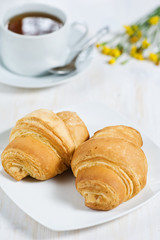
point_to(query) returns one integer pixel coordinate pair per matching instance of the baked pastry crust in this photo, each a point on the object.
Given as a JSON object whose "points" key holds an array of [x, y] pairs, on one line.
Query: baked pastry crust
{"points": [[42, 144], [110, 168]]}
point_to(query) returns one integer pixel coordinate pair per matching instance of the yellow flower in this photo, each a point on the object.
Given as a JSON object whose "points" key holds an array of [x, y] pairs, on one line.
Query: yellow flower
{"points": [[138, 56], [135, 27], [133, 50], [145, 43], [154, 58], [106, 50], [134, 39], [129, 30], [98, 45], [115, 52], [154, 20], [139, 34], [112, 61]]}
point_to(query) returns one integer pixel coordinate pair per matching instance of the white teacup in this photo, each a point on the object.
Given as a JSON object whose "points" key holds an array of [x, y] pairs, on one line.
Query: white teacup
{"points": [[33, 55]]}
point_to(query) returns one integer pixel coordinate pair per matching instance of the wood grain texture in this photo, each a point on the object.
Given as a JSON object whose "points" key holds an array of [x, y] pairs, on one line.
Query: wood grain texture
{"points": [[132, 89]]}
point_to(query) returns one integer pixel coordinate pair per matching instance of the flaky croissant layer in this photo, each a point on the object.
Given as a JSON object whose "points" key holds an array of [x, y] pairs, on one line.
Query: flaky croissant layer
{"points": [[42, 144], [110, 168]]}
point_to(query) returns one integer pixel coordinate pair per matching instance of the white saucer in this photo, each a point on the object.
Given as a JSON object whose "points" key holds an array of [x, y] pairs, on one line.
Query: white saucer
{"points": [[12, 79]]}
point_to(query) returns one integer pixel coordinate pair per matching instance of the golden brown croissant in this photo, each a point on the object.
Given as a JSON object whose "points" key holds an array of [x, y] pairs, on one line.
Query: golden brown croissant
{"points": [[42, 144], [110, 168]]}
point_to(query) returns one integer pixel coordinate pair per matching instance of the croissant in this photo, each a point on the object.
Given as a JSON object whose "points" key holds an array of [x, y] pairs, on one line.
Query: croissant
{"points": [[110, 168], [42, 144]]}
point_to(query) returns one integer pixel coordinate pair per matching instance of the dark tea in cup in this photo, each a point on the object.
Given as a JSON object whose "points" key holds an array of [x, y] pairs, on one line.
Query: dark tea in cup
{"points": [[34, 23]]}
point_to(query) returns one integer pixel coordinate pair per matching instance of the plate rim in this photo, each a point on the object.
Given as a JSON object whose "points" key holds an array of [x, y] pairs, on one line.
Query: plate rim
{"points": [[89, 225]]}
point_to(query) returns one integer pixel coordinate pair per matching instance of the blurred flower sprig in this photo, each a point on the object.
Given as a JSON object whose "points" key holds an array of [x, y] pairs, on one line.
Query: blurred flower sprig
{"points": [[140, 40]]}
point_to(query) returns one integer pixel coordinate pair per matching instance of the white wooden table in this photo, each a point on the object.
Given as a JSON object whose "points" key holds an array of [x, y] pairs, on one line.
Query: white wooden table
{"points": [[132, 89]]}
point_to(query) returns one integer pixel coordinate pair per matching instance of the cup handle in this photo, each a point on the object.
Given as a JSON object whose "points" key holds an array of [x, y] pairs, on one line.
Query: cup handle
{"points": [[73, 28]]}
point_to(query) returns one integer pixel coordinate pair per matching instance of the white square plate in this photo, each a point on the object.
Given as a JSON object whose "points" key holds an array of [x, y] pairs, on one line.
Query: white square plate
{"points": [[56, 203]]}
